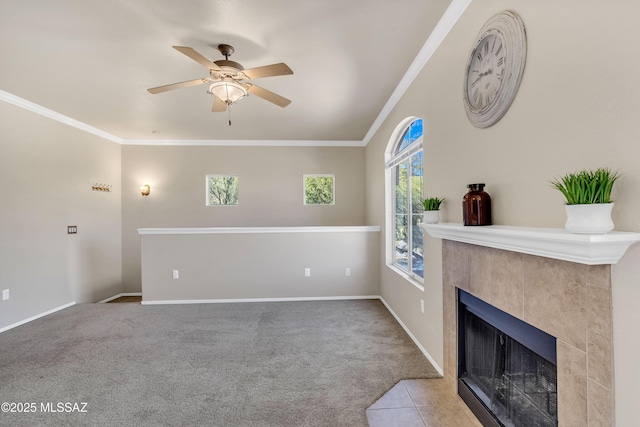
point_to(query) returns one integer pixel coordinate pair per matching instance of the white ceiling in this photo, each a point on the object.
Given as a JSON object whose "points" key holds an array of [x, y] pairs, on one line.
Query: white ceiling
{"points": [[92, 60]]}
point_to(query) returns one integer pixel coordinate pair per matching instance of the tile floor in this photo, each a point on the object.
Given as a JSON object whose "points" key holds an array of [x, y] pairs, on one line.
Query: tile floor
{"points": [[421, 403]]}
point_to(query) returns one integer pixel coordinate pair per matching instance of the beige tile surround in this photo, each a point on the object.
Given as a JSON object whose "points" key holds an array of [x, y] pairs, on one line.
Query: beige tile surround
{"points": [[567, 300]]}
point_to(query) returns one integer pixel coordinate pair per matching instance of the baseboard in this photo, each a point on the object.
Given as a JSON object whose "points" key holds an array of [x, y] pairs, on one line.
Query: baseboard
{"points": [[125, 294], [37, 316], [415, 340], [230, 300]]}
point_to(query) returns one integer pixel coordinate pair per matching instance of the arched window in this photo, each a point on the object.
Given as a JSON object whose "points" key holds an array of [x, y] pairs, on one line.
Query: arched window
{"points": [[404, 173]]}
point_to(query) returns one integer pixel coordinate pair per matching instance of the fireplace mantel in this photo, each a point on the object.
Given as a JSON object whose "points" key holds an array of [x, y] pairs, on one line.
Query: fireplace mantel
{"points": [[592, 249]]}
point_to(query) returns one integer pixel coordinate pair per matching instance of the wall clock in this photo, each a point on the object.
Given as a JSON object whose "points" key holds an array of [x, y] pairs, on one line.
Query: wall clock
{"points": [[494, 69]]}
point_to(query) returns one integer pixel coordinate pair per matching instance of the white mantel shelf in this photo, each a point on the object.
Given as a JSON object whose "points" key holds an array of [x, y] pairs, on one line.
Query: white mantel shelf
{"points": [[555, 243]]}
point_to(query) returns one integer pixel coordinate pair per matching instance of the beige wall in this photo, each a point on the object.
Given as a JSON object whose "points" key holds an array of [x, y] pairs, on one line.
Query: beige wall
{"points": [[577, 107], [267, 263], [270, 190], [46, 172]]}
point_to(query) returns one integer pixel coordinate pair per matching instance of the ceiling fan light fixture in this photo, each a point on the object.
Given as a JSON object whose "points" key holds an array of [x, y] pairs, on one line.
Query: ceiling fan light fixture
{"points": [[228, 91]]}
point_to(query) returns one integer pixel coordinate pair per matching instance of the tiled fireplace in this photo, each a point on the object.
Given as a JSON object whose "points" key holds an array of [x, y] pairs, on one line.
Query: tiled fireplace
{"points": [[570, 301]]}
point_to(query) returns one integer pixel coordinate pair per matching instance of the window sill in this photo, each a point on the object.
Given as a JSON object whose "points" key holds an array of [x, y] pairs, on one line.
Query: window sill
{"points": [[408, 278]]}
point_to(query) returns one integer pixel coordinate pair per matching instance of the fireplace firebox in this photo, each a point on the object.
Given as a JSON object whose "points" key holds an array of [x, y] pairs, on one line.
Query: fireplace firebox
{"points": [[506, 368]]}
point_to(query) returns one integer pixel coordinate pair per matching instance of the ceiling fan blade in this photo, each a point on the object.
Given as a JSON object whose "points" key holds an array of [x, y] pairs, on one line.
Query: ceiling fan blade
{"points": [[267, 95], [219, 106], [272, 70], [173, 86], [197, 57]]}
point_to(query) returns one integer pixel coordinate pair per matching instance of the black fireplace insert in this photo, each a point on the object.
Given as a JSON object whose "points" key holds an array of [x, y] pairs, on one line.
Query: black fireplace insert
{"points": [[506, 368]]}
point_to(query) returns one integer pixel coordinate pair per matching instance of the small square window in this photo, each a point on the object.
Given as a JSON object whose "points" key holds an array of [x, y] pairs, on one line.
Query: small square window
{"points": [[319, 189], [222, 190]]}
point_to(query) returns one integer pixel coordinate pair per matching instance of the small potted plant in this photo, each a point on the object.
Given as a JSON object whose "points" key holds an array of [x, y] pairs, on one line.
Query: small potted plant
{"points": [[588, 196], [432, 210]]}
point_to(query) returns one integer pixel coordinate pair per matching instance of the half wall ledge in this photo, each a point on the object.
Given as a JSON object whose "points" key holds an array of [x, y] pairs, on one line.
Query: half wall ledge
{"points": [[591, 249], [260, 230]]}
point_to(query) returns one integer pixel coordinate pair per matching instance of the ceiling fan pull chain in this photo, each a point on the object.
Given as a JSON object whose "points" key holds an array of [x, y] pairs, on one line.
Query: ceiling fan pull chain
{"points": [[228, 103]]}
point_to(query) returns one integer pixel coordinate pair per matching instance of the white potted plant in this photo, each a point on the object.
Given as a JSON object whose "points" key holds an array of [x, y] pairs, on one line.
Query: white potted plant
{"points": [[588, 196], [431, 213]]}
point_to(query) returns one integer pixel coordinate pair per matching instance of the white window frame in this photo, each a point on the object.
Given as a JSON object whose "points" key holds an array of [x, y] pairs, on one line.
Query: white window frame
{"points": [[207, 188], [391, 161], [304, 188]]}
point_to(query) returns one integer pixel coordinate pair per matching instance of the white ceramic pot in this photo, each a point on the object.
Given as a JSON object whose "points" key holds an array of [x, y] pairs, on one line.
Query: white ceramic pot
{"points": [[431, 217], [589, 219]]}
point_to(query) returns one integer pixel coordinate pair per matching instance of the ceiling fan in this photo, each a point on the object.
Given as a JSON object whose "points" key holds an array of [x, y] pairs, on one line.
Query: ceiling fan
{"points": [[227, 79]]}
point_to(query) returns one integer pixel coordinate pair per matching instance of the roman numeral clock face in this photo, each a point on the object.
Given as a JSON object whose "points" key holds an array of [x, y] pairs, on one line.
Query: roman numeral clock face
{"points": [[486, 72], [494, 69]]}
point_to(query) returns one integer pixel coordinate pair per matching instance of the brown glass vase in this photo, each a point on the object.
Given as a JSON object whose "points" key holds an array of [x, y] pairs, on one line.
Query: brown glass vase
{"points": [[476, 206]]}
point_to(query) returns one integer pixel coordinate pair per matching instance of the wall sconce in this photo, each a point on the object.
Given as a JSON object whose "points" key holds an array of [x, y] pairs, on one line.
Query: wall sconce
{"points": [[145, 190]]}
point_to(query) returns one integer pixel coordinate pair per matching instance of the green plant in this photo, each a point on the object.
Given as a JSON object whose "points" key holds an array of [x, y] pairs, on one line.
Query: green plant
{"points": [[432, 203], [587, 186]]}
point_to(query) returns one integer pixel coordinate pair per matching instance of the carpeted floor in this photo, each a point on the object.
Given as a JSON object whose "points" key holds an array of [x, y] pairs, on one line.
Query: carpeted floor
{"points": [[319, 363]]}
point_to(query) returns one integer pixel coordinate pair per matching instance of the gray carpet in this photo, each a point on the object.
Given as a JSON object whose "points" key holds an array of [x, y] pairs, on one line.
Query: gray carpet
{"points": [[319, 363]]}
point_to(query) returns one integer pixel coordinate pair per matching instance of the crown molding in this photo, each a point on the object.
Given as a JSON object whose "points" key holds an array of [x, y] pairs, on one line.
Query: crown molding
{"points": [[61, 118], [43, 111], [446, 23], [442, 28], [244, 143]]}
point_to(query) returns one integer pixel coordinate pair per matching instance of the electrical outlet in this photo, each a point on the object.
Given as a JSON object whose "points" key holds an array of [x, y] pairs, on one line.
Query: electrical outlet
{"points": [[5, 294], [422, 305], [307, 272], [347, 272], [176, 274]]}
